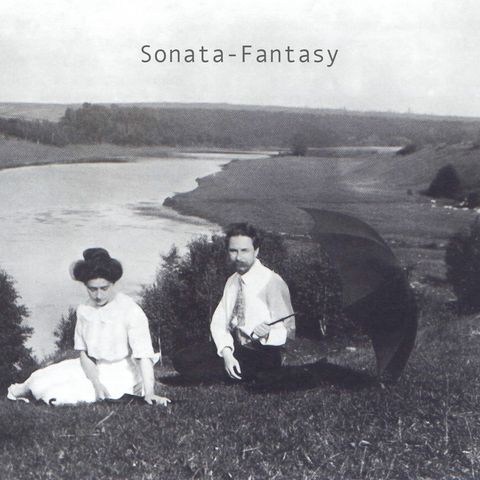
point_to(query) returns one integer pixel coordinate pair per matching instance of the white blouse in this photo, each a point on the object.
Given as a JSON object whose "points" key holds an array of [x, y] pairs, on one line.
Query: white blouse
{"points": [[113, 332]]}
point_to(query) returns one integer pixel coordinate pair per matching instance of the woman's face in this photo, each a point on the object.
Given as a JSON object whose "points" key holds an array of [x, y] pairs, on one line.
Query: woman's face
{"points": [[100, 291]]}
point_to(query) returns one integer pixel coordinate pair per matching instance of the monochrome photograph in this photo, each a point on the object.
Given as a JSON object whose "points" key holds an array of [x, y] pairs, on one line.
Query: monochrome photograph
{"points": [[239, 240]]}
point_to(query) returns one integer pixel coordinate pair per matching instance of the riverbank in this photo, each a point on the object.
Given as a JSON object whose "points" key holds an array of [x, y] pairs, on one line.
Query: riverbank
{"points": [[20, 153], [382, 189]]}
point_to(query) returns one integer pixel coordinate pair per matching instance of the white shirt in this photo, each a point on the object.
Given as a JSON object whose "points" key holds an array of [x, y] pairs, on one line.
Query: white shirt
{"points": [[266, 299], [113, 332]]}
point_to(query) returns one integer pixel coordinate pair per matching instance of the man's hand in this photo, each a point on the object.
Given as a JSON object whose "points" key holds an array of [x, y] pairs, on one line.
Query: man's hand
{"points": [[232, 367], [157, 400], [101, 391], [261, 331]]}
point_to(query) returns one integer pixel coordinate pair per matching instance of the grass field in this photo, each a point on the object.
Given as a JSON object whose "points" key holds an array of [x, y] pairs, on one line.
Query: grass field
{"points": [[321, 421]]}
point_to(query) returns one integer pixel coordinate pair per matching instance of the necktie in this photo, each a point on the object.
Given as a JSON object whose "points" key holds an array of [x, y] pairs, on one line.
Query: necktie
{"points": [[238, 313]]}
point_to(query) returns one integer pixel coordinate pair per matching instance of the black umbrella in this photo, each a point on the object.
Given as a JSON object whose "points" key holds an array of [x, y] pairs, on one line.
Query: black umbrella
{"points": [[376, 292]]}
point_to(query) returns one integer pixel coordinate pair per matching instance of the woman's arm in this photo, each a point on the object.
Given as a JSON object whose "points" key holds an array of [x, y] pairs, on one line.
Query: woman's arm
{"points": [[91, 372], [146, 368]]}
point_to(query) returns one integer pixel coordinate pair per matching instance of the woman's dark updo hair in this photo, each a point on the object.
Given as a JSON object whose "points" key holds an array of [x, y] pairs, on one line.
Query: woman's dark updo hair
{"points": [[97, 263]]}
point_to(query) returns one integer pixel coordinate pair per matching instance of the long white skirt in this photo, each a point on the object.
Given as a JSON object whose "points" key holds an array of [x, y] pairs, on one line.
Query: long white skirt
{"points": [[65, 383]]}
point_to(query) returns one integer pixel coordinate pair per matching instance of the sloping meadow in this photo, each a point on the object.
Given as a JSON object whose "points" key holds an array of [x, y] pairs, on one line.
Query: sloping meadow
{"points": [[319, 420]]}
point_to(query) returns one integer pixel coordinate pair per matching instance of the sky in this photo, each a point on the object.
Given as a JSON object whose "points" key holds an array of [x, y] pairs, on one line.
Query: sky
{"points": [[405, 56]]}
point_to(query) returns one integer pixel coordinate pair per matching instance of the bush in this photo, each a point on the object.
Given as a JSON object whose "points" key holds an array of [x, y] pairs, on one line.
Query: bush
{"points": [[445, 184], [181, 302], [472, 200], [463, 266], [316, 294], [299, 145], [14, 355], [65, 330], [407, 149]]}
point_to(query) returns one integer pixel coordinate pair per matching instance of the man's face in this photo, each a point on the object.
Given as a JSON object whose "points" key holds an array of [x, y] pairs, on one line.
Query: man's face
{"points": [[242, 253]]}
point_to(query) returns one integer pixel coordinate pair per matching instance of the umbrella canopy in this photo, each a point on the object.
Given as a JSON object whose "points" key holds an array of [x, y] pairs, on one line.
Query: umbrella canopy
{"points": [[376, 292]]}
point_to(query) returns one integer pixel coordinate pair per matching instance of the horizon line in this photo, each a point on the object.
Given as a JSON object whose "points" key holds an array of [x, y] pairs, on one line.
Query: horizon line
{"points": [[227, 105]]}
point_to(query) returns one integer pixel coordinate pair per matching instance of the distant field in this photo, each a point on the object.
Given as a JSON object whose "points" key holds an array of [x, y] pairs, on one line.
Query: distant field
{"points": [[16, 153], [35, 111]]}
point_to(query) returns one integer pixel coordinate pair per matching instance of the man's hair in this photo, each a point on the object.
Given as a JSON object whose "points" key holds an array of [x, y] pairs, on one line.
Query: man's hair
{"points": [[244, 229]]}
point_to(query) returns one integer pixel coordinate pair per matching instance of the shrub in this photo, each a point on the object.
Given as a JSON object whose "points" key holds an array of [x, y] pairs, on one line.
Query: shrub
{"points": [[316, 294], [445, 184], [472, 200], [407, 149], [65, 330], [463, 266], [299, 145], [180, 303], [14, 355], [187, 290]]}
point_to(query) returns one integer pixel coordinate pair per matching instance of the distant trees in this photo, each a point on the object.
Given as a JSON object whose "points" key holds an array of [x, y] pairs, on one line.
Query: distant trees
{"points": [[462, 258], [14, 355], [224, 127], [38, 131], [188, 288]]}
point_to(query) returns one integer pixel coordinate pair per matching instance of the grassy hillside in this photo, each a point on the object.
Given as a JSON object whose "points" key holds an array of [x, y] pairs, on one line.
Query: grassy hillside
{"points": [[417, 170], [319, 421], [376, 188], [382, 189]]}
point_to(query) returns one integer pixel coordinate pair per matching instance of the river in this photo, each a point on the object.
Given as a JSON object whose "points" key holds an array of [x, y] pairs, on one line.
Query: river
{"points": [[49, 214]]}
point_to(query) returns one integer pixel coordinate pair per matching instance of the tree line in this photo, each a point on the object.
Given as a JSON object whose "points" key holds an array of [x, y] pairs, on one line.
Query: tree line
{"points": [[234, 128]]}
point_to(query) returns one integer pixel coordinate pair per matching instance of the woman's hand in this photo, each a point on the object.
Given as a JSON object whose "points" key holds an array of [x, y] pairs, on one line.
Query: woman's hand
{"points": [[101, 392], [146, 367], [90, 368], [157, 400]]}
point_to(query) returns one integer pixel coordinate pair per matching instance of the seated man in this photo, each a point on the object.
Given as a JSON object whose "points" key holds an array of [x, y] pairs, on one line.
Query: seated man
{"points": [[253, 298], [244, 326]]}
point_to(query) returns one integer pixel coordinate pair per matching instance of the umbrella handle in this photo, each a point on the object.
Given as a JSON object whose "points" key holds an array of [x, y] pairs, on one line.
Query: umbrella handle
{"points": [[271, 323], [282, 319]]}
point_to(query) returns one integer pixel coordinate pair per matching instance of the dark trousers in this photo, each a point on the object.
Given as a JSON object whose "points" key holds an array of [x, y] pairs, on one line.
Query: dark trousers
{"points": [[201, 362]]}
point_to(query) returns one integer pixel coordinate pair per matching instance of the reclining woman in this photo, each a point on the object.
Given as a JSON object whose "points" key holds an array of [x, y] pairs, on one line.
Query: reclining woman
{"points": [[112, 335]]}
